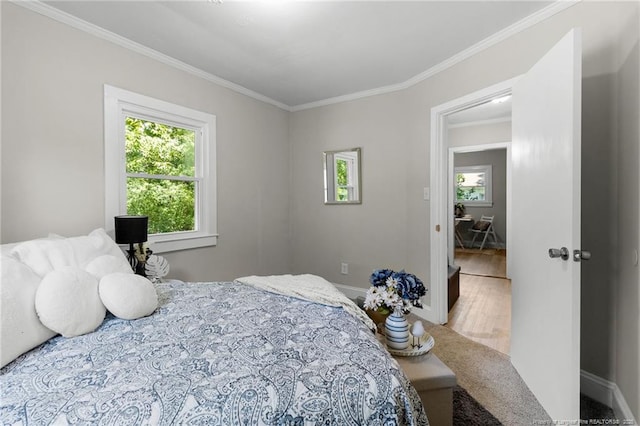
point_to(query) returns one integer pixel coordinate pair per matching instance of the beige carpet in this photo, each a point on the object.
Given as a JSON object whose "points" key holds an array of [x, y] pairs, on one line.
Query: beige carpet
{"points": [[488, 376]]}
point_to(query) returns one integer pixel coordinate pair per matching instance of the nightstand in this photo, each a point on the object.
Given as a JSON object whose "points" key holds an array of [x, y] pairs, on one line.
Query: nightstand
{"points": [[453, 286], [434, 382]]}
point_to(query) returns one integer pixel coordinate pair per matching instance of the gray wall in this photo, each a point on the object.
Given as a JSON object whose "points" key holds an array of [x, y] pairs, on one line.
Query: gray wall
{"points": [[52, 146], [497, 158], [390, 228], [627, 285]]}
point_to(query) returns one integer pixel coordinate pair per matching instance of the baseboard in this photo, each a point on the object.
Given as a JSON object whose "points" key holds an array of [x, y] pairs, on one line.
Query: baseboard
{"points": [[350, 291], [607, 393], [621, 409], [597, 388]]}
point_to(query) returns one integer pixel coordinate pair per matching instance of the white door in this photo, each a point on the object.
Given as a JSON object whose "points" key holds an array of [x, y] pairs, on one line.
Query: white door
{"points": [[545, 343]]}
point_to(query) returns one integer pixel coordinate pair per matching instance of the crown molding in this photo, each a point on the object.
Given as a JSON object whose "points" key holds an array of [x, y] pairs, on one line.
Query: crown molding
{"points": [[492, 40], [68, 19], [531, 20], [60, 16], [351, 97]]}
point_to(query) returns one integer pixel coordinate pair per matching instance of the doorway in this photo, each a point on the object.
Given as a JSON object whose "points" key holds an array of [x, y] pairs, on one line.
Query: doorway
{"points": [[442, 206], [477, 172], [476, 252]]}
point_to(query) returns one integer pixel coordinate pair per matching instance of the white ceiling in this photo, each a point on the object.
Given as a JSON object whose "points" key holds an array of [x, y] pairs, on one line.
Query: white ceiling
{"points": [[300, 53]]}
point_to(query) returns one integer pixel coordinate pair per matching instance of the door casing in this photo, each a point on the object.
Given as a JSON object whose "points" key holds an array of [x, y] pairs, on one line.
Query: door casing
{"points": [[441, 209]]}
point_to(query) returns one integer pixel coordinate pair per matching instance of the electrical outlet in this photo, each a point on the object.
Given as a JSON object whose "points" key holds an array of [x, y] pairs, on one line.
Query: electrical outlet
{"points": [[344, 268]]}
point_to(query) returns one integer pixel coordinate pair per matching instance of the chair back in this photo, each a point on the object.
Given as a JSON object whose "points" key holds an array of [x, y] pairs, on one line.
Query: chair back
{"points": [[483, 226], [487, 219]]}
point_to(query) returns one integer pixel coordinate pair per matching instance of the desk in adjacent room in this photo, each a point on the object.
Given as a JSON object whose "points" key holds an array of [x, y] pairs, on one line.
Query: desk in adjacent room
{"points": [[458, 220]]}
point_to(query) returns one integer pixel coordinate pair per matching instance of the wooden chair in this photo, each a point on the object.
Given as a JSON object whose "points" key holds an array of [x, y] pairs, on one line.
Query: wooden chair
{"points": [[483, 226]]}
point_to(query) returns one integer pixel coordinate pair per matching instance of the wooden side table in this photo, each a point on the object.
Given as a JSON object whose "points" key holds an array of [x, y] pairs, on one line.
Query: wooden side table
{"points": [[453, 285], [434, 382]]}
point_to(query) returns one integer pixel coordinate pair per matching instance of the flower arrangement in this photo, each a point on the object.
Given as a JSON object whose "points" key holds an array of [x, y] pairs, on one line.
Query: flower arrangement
{"points": [[142, 253], [390, 290]]}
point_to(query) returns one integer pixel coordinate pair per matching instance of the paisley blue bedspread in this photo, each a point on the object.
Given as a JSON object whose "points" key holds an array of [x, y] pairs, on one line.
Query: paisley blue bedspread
{"points": [[214, 354]]}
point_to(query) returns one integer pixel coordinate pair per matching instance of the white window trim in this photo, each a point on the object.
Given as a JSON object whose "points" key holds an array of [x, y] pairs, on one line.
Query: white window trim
{"points": [[119, 103], [488, 185]]}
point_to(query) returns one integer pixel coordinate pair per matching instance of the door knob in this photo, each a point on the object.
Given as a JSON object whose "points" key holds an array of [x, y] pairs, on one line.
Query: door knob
{"points": [[562, 253], [579, 255]]}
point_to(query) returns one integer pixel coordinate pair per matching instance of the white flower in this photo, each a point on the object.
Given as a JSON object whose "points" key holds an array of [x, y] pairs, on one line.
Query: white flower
{"points": [[388, 298], [373, 299], [385, 296], [392, 283]]}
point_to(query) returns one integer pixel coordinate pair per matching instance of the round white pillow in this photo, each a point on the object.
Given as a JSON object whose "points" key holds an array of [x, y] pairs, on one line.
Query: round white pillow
{"points": [[128, 296], [67, 302], [108, 264]]}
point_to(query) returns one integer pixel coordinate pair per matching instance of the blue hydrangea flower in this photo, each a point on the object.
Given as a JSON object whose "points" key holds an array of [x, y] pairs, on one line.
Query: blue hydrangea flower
{"points": [[380, 276], [412, 289], [407, 289]]}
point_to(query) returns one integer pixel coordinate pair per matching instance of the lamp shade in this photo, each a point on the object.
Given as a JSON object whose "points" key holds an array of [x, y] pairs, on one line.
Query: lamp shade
{"points": [[131, 229]]}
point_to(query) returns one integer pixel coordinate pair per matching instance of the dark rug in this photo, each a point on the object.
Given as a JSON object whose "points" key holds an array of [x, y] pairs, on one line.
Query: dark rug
{"points": [[590, 409], [468, 411]]}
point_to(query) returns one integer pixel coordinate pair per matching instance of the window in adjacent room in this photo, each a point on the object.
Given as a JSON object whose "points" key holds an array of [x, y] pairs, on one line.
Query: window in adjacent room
{"points": [[160, 162], [473, 185]]}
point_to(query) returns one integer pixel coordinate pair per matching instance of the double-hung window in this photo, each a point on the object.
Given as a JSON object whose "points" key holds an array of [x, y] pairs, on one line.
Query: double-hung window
{"points": [[160, 162], [473, 185]]}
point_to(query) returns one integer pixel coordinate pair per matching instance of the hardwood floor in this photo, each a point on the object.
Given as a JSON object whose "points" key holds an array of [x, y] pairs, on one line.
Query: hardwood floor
{"points": [[483, 311], [487, 262]]}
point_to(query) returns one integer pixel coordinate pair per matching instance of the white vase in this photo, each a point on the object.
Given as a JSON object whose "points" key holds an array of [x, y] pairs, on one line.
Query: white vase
{"points": [[397, 330]]}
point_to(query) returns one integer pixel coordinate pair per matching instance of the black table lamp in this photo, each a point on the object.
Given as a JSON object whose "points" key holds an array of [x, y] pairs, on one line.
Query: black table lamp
{"points": [[132, 230]]}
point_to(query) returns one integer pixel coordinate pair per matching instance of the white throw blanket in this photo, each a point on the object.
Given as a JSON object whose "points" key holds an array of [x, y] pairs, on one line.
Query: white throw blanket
{"points": [[311, 288]]}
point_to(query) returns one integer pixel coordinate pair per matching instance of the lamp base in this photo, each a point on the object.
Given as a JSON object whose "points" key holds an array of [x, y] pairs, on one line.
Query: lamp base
{"points": [[139, 267]]}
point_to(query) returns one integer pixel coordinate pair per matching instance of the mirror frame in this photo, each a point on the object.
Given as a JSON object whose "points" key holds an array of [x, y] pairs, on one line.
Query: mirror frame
{"points": [[329, 178]]}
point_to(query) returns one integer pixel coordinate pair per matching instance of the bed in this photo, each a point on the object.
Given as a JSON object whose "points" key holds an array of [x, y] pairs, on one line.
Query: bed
{"points": [[215, 353]]}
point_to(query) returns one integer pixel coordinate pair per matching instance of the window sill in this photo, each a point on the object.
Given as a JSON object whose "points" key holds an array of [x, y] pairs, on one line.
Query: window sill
{"points": [[468, 203], [164, 245]]}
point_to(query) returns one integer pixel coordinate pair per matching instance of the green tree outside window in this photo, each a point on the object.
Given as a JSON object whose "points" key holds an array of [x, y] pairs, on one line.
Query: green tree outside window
{"points": [[161, 184], [342, 181]]}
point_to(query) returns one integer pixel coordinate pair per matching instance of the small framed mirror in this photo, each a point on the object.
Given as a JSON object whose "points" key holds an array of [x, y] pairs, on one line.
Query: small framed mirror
{"points": [[342, 183]]}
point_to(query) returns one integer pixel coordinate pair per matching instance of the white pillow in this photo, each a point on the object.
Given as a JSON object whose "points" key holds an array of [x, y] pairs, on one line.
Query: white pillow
{"points": [[46, 255], [20, 328], [108, 264], [67, 302], [43, 256], [102, 243], [128, 296]]}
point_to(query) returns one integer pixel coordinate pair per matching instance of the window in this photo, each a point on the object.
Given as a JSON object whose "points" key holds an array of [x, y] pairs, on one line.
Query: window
{"points": [[160, 162], [342, 176], [473, 185], [345, 166]]}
